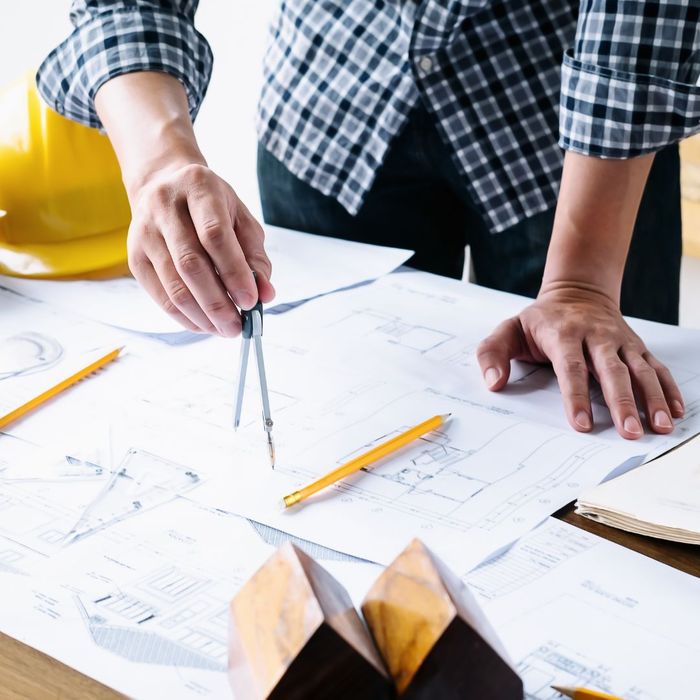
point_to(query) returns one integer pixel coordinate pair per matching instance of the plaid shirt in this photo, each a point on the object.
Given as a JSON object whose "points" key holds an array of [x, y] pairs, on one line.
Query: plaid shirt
{"points": [[341, 78]]}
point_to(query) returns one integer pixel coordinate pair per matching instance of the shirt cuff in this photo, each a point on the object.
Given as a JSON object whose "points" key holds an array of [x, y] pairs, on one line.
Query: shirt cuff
{"points": [[611, 113], [123, 41]]}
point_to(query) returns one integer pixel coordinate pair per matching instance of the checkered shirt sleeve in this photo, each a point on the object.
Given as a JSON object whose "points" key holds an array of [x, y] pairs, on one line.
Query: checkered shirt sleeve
{"points": [[113, 38], [630, 84]]}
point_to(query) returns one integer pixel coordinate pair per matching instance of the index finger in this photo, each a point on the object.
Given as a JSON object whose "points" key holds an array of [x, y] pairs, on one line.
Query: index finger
{"points": [[214, 227]]}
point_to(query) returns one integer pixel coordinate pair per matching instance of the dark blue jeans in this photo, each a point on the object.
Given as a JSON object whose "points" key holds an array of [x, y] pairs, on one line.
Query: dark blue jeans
{"points": [[419, 201]]}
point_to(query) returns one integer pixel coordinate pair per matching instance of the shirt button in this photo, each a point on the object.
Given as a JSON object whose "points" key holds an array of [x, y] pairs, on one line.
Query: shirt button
{"points": [[425, 64]]}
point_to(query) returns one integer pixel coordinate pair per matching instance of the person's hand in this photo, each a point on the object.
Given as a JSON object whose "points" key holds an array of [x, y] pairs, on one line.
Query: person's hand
{"points": [[582, 332], [193, 245]]}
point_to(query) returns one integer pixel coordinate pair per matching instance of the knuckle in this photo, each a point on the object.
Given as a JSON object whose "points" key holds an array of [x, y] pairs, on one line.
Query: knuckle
{"points": [[643, 373], [159, 196], [212, 233], [625, 402], [170, 308], [613, 366], [216, 307], [259, 258], [196, 173], [189, 263], [574, 365], [178, 294]]}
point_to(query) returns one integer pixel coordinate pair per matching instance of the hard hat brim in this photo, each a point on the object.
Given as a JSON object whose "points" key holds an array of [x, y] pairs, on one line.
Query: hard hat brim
{"points": [[75, 258]]}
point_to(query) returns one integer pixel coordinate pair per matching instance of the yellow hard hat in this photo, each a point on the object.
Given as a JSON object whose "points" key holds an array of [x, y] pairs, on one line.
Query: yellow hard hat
{"points": [[63, 208]]}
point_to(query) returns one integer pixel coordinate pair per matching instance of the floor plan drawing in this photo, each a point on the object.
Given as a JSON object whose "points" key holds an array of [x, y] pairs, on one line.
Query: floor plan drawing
{"points": [[394, 330], [486, 473]]}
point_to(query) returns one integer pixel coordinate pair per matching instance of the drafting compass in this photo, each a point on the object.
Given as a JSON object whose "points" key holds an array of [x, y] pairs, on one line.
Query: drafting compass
{"points": [[252, 330]]}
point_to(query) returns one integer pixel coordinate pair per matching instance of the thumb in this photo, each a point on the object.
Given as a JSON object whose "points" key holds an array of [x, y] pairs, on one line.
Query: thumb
{"points": [[495, 353]]}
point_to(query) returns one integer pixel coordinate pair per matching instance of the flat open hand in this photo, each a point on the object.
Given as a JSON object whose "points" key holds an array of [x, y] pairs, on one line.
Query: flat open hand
{"points": [[582, 332]]}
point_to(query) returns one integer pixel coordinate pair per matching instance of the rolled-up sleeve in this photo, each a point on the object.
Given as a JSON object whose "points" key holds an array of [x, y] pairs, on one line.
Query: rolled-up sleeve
{"points": [[113, 38], [630, 84]]}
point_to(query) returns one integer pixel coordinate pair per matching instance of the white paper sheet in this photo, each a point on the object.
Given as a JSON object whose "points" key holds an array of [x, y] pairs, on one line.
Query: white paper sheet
{"points": [[304, 266], [350, 371], [576, 610], [40, 348]]}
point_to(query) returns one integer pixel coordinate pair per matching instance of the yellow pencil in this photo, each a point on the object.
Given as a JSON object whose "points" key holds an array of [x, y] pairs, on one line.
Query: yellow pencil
{"points": [[364, 460], [58, 388], [584, 694]]}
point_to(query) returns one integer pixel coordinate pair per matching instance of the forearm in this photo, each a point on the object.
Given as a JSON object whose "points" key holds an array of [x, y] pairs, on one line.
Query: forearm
{"points": [[595, 217], [147, 119]]}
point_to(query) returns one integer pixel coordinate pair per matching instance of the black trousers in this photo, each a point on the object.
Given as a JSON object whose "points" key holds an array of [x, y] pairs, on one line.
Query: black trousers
{"points": [[419, 201]]}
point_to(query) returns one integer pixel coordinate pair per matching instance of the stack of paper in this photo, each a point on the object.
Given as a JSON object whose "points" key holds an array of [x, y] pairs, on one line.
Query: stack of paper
{"points": [[660, 499]]}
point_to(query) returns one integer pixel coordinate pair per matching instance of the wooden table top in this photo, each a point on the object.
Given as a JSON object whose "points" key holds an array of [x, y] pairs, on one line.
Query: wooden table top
{"points": [[27, 673]]}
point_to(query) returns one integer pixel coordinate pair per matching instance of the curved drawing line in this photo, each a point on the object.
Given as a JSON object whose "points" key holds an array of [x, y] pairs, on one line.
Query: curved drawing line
{"points": [[28, 353]]}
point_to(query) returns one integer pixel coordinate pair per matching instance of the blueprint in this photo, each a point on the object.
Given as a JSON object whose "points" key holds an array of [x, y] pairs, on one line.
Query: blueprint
{"points": [[576, 610], [351, 372], [144, 603]]}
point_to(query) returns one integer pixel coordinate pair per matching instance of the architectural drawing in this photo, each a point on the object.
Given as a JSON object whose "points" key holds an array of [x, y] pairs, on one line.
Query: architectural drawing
{"points": [[142, 480], [172, 617], [554, 663], [28, 353], [392, 329], [275, 538]]}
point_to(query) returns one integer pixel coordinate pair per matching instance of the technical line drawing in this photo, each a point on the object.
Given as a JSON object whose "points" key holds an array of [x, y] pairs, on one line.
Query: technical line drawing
{"points": [[208, 397], [554, 663], [28, 353], [514, 569], [464, 485], [172, 616], [394, 330], [275, 538], [143, 480], [195, 650]]}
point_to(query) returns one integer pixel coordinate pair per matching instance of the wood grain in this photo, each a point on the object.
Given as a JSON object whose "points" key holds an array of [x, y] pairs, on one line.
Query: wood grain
{"points": [[432, 634], [294, 634]]}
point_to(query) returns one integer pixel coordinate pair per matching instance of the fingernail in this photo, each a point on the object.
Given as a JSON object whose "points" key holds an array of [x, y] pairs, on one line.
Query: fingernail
{"points": [[583, 420], [632, 425], [491, 376], [244, 299], [662, 420], [677, 407]]}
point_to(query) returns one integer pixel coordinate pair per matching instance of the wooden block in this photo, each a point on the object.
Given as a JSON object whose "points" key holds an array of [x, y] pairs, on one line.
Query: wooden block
{"points": [[435, 641], [294, 633]]}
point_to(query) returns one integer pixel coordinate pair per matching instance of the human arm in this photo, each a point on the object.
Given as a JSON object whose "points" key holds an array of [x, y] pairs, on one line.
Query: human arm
{"points": [[148, 68], [629, 88], [192, 243], [576, 323]]}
